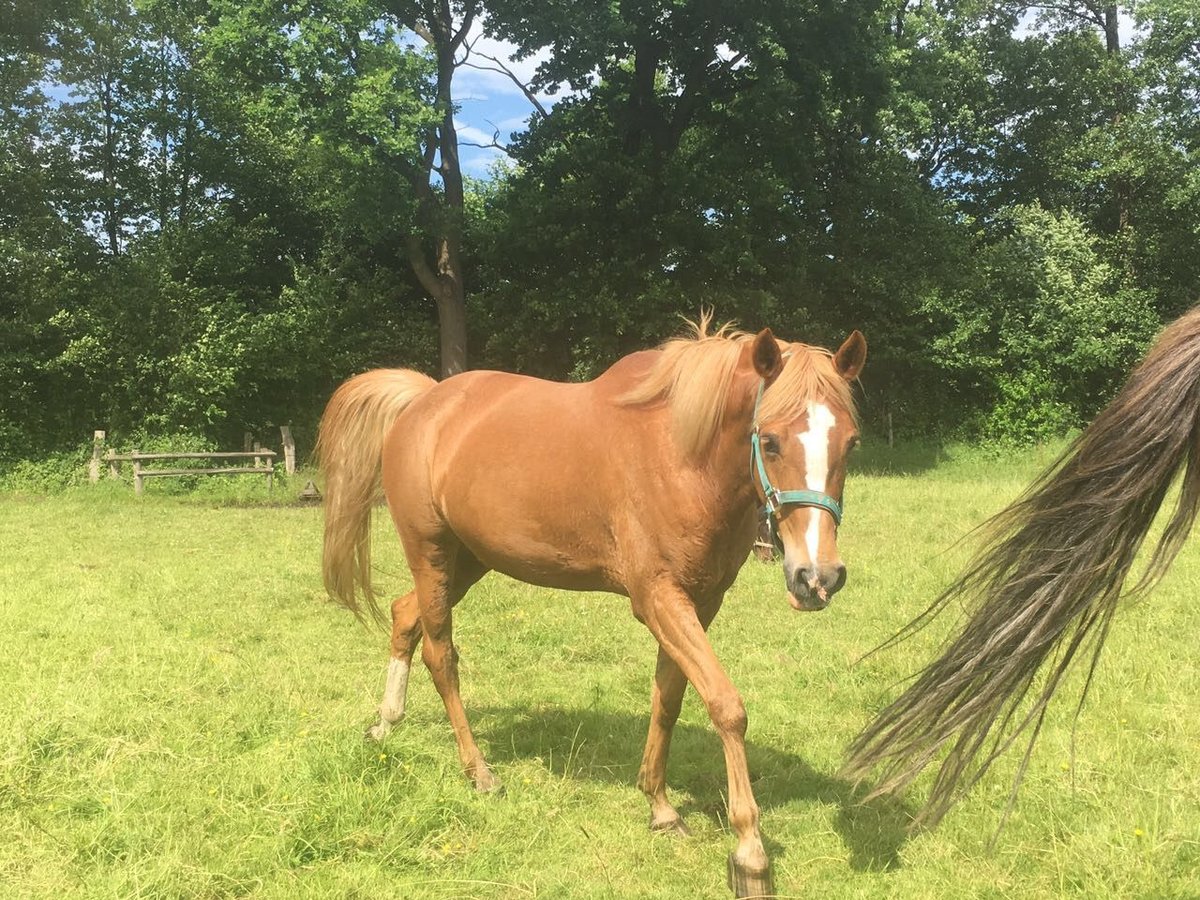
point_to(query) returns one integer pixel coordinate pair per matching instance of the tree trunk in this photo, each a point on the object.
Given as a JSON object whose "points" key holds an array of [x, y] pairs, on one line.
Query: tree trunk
{"points": [[452, 302], [444, 278], [452, 328], [1112, 44], [165, 193], [112, 227], [185, 174], [1112, 33]]}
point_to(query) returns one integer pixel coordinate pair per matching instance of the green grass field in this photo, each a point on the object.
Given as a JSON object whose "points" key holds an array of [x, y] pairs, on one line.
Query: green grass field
{"points": [[181, 715]]}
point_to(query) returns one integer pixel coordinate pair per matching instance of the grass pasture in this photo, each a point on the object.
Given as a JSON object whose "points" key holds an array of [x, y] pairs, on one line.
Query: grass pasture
{"points": [[181, 716]]}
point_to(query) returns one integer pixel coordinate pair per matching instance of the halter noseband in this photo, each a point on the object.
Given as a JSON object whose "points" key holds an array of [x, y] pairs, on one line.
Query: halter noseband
{"points": [[775, 500]]}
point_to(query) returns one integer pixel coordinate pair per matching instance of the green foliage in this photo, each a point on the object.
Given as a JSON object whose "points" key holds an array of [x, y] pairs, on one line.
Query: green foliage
{"points": [[47, 475], [208, 204], [679, 180], [1061, 343]]}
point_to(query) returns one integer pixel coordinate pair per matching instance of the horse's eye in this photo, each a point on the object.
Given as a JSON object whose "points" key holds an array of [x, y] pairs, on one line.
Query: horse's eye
{"points": [[770, 444], [854, 442]]}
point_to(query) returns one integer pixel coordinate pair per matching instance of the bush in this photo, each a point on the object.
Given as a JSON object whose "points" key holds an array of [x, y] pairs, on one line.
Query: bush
{"points": [[1050, 356], [52, 474]]}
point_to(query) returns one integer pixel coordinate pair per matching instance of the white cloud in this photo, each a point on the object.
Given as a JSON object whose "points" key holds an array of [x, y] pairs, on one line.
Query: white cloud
{"points": [[478, 163], [483, 84], [467, 132], [514, 123]]}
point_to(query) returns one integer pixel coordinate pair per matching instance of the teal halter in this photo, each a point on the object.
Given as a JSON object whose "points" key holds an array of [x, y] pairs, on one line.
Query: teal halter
{"points": [[775, 500]]}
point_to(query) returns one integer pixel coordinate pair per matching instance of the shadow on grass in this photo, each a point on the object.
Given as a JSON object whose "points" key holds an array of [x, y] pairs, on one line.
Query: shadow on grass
{"points": [[599, 745], [877, 458]]}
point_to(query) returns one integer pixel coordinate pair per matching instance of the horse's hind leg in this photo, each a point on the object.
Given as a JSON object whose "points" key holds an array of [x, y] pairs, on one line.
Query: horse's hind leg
{"points": [[406, 632], [437, 592], [666, 698], [665, 701]]}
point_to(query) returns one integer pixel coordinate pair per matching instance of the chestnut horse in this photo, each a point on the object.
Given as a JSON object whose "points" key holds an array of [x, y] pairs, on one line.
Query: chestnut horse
{"points": [[646, 482]]}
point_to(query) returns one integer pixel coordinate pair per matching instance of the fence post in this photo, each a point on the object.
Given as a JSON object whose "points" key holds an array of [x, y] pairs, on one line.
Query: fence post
{"points": [[289, 449], [94, 465], [114, 467], [137, 473]]}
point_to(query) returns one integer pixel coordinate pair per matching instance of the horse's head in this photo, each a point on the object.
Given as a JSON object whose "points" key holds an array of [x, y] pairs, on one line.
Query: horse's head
{"points": [[804, 429]]}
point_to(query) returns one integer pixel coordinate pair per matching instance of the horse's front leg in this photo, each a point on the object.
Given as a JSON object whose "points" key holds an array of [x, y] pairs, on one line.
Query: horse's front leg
{"points": [[672, 618]]}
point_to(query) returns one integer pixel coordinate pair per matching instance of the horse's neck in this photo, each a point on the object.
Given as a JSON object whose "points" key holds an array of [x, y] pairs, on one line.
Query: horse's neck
{"points": [[729, 467], [723, 534]]}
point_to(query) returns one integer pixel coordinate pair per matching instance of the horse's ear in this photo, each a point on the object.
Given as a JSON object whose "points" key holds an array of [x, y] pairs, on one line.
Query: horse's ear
{"points": [[851, 355], [768, 361]]}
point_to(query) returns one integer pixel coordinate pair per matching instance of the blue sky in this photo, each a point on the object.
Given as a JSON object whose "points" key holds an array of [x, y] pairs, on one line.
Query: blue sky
{"points": [[489, 102]]}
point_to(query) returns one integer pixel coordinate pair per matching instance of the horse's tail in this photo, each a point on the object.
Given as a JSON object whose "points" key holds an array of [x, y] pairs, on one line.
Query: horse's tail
{"points": [[1047, 582], [349, 446]]}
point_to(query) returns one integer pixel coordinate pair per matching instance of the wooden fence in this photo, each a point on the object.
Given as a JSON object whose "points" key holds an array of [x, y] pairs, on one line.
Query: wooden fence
{"points": [[141, 472], [263, 461]]}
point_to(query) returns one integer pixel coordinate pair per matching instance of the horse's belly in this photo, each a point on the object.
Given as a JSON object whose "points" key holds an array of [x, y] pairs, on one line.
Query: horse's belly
{"points": [[522, 527], [567, 563]]}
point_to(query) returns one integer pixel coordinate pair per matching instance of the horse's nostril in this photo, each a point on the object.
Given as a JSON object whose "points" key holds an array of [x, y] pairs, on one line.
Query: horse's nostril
{"points": [[798, 580], [838, 581]]}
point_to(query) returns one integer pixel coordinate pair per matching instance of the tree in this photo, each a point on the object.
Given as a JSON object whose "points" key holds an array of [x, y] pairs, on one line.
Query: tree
{"points": [[217, 209], [733, 156], [102, 64], [440, 268], [376, 117]]}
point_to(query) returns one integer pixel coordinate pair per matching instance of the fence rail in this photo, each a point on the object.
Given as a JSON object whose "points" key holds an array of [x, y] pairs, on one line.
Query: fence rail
{"points": [[141, 472]]}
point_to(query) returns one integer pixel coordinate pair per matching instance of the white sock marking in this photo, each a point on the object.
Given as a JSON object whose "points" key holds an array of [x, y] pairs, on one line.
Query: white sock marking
{"points": [[816, 469], [391, 710]]}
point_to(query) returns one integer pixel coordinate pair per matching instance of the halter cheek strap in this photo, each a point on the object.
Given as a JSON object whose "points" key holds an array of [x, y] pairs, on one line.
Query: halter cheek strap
{"points": [[775, 500]]}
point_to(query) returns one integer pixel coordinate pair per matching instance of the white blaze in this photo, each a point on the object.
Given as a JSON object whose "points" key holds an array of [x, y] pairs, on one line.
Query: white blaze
{"points": [[816, 468]]}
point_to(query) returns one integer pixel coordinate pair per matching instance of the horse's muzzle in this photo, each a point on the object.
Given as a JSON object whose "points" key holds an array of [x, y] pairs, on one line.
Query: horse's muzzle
{"points": [[811, 589]]}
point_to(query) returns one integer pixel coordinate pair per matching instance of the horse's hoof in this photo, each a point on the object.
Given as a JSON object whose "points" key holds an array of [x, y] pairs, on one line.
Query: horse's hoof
{"points": [[746, 882], [381, 729], [489, 784], [671, 826]]}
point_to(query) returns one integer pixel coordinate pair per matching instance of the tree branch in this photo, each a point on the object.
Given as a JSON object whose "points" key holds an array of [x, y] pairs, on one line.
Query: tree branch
{"points": [[732, 61], [427, 155], [420, 265], [467, 22], [1090, 16], [421, 30], [493, 145], [503, 70]]}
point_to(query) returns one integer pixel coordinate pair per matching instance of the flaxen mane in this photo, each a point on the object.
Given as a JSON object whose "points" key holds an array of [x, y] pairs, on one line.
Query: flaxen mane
{"points": [[694, 376]]}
